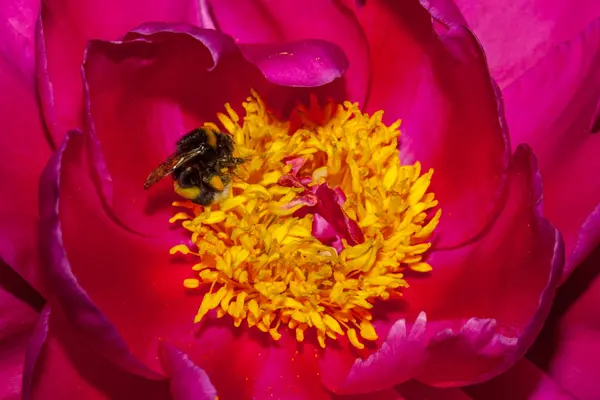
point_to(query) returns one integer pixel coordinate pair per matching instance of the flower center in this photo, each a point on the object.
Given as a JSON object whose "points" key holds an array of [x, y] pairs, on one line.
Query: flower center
{"points": [[320, 222]]}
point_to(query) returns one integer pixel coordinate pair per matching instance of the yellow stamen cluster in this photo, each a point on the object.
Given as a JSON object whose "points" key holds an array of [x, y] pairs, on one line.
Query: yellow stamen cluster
{"points": [[262, 264]]}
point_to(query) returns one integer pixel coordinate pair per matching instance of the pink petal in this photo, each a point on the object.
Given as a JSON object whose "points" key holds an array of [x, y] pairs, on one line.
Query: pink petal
{"points": [[61, 365], [569, 347], [516, 35], [523, 381], [68, 25], [282, 21], [557, 120], [25, 148], [163, 80], [485, 303], [433, 76], [188, 382]]}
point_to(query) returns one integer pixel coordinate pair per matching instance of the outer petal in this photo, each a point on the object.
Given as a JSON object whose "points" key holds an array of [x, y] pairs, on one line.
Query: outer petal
{"points": [[496, 294], [19, 305], [516, 35], [569, 347], [432, 74], [523, 381], [68, 25], [161, 81], [23, 141], [259, 21], [60, 365], [553, 108], [510, 275]]}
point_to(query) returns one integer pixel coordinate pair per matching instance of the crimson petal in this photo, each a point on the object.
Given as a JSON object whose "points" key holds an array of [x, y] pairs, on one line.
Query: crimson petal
{"points": [[431, 73], [67, 27]]}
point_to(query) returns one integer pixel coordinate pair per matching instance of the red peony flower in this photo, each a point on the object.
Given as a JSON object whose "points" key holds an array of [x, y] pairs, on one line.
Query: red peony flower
{"points": [[381, 238]]}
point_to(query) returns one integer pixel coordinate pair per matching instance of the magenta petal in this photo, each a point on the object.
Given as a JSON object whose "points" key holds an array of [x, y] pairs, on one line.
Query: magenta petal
{"points": [[289, 20], [161, 81], [331, 223], [432, 75], [59, 280], [516, 35], [523, 381], [556, 120], [23, 141], [401, 354], [306, 64], [68, 25], [188, 382], [568, 349]]}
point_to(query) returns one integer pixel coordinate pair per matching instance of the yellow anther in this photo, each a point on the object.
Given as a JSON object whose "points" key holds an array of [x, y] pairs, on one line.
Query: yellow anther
{"points": [[259, 260]]}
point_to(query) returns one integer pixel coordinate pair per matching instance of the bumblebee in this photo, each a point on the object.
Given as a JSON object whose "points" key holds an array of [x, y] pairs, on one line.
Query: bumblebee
{"points": [[202, 166]]}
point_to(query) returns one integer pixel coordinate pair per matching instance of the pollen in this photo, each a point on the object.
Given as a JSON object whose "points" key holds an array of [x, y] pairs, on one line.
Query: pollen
{"points": [[320, 225]]}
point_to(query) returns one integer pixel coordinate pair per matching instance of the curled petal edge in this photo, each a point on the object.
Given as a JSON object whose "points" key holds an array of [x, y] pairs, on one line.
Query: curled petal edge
{"points": [[85, 317]]}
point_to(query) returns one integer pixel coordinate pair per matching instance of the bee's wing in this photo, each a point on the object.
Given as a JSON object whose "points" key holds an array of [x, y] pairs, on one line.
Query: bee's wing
{"points": [[172, 162]]}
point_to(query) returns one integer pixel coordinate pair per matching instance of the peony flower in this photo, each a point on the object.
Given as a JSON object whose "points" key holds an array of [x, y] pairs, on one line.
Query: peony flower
{"points": [[475, 285]]}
